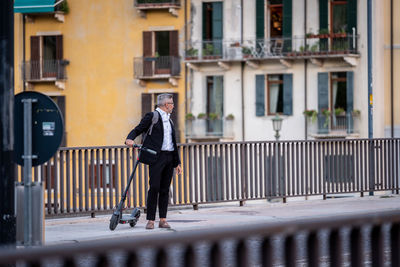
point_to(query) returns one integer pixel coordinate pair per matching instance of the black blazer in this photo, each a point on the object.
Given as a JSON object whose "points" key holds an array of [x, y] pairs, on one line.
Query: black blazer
{"points": [[155, 140]]}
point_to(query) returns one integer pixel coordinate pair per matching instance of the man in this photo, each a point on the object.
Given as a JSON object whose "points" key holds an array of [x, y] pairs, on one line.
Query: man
{"points": [[162, 140]]}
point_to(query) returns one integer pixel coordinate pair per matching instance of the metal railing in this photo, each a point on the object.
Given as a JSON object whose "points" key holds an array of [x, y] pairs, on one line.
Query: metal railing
{"points": [[325, 124], [318, 46], [91, 179], [153, 67], [43, 70], [353, 240], [158, 3], [203, 128]]}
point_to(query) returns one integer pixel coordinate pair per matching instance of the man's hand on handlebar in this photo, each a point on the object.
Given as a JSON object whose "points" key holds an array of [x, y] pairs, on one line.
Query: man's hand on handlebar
{"points": [[129, 142]]}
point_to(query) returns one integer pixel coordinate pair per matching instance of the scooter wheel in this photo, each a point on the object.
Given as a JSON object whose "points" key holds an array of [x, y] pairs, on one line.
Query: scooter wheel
{"points": [[114, 221], [132, 223]]}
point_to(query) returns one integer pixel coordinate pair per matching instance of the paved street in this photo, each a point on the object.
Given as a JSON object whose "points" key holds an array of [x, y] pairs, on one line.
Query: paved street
{"points": [[79, 229]]}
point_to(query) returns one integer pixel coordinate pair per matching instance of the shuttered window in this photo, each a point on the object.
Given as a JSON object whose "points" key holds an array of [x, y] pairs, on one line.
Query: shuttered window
{"points": [[46, 57], [260, 19], [277, 90], [336, 95], [160, 53]]}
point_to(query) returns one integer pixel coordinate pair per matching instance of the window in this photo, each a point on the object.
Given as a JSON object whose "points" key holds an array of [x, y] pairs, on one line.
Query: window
{"points": [[212, 28], [338, 16], [46, 58], [338, 91], [276, 18], [161, 53], [215, 104], [276, 91], [275, 94], [335, 93]]}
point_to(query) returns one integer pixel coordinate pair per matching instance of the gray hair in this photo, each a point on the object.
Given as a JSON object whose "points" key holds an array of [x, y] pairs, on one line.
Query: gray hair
{"points": [[161, 99]]}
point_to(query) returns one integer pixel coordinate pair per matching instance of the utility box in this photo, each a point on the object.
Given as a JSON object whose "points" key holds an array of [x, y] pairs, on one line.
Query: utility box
{"points": [[37, 213]]}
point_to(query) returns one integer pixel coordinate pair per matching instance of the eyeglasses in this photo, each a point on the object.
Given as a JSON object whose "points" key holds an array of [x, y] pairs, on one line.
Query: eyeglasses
{"points": [[171, 103]]}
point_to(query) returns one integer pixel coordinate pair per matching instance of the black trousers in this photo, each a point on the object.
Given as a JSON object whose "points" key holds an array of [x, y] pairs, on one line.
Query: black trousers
{"points": [[160, 179]]}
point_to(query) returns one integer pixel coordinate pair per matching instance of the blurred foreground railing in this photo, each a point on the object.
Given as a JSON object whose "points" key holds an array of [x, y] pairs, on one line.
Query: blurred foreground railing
{"points": [[351, 240], [91, 179]]}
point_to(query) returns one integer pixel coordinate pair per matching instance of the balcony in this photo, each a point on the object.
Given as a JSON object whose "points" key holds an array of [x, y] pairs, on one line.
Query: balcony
{"points": [[45, 71], [207, 129], [156, 68], [144, 5], [325, 126], [315, 48]]}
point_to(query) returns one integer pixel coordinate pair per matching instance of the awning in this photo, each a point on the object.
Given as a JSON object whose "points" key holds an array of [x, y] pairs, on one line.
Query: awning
{"points": [[35, 6]]}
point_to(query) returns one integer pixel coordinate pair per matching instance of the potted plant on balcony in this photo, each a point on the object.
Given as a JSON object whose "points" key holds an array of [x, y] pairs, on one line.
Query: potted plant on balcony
{"points": [[327, 114], [246, 51], [311, 114], [210, 52], [191, 54], [339, 112], [323, 33]]}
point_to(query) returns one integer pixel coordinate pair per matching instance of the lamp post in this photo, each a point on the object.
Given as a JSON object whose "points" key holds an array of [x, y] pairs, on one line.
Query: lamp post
{"points": [[277, 125]]}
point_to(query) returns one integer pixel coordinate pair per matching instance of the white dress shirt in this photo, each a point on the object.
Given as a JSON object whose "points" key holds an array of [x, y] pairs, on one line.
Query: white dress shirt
{"points": [[167, 144]]}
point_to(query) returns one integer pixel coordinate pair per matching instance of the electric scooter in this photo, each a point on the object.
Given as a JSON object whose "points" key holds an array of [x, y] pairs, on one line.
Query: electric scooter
{"points": [[117, 216]]}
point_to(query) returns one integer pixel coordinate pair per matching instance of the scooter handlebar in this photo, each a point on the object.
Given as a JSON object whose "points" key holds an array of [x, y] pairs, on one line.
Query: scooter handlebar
{"points": [[140, 147]]}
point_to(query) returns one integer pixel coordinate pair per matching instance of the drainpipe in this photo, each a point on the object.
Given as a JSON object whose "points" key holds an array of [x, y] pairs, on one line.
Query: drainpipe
{"points": [[370, 126], [23, 52], [305, 70], [186, 68], [242, 70], [391, 71], [370, 99]]}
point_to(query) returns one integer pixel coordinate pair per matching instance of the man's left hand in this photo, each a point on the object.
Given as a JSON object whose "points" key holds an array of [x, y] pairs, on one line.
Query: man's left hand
{"points": [[178, 170]]}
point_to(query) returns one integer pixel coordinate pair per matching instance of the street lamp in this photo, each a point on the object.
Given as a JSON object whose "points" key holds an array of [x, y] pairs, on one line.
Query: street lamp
{"points": [[277, 125]]}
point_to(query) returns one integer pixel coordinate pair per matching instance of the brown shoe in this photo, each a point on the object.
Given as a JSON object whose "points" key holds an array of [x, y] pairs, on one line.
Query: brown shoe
{"points": [[164, 224], [150, 225]]}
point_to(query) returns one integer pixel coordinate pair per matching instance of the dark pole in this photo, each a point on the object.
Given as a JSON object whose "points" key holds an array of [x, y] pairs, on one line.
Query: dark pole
{"points": [[7, 218], [391, 72]]}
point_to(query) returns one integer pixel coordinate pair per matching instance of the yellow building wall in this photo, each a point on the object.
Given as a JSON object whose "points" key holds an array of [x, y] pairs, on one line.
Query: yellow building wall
{"points": [[396, 63], [100, 40]]}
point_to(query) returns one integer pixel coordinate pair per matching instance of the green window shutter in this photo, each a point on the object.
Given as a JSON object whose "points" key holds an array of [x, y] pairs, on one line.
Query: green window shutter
{"points": [[287, 18], [217, 27], [260, 95], [260, 19], [351, 15], [217, 30], [205, 20], [287, 94], [350, 100], [323, 101], [287, 25], [323, 14]]}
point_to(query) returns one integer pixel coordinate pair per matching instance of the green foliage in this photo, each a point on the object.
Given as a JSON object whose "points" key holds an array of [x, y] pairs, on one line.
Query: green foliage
{"points": [[246, 50], [212, 116], [339, 111], [190, 117], [64, 7], [192, 52], [229, 117], [311, 113], [201, 116]]}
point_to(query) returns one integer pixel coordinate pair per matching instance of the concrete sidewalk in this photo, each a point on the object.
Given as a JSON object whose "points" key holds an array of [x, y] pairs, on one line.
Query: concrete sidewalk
{"points": [[79, 229]]}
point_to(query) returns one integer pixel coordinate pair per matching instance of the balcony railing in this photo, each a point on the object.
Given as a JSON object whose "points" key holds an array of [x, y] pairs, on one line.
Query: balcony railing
{"points": [[44, 70], [206, 128], [334, 124], [156, 67], [318, 46], [150, 4]]}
